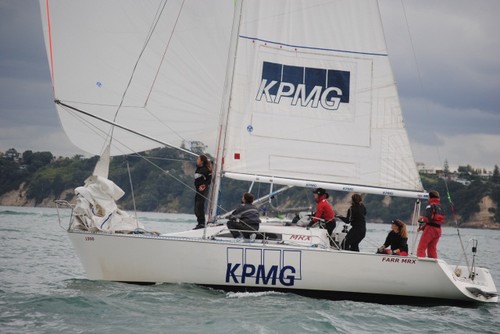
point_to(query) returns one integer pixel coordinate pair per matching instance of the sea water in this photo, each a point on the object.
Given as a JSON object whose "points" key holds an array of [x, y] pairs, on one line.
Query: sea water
{"points": [[43, 289]]}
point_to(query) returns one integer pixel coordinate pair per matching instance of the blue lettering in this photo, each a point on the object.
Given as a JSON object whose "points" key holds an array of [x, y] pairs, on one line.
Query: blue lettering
{"points": [[288, 280], [248, 271], [261, 274], [286, 274], [230, 272]]}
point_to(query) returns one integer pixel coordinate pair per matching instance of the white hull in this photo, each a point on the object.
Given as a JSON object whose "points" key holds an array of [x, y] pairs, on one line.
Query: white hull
{"points": [[300, 262]]}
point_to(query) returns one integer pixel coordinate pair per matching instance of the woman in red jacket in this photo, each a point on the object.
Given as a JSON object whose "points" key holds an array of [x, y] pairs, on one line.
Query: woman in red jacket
{"points": [[324, 211], [431, 225]]}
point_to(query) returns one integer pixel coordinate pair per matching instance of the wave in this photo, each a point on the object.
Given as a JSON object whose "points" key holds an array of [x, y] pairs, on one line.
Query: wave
{"points": [[252, 294], [17, 213]]}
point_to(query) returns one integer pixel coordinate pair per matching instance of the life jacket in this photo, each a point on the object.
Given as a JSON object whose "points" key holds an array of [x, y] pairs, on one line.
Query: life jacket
{"points": [[437, 218]]}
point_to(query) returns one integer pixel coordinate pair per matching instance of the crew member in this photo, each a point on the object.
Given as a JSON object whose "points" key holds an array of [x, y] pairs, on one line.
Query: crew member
{"points": [[431, 225]]}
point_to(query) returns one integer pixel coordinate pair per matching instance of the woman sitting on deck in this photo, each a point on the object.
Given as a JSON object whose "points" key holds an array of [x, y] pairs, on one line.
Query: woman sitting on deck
{"points": [[396, 242]]}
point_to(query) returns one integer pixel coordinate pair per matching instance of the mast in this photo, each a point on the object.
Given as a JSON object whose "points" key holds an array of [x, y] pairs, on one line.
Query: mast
{"points": [[228, 84]]}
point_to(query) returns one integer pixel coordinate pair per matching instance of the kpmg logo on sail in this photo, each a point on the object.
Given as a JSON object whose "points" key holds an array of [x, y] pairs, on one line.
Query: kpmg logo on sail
{"points": [[304, 86]]}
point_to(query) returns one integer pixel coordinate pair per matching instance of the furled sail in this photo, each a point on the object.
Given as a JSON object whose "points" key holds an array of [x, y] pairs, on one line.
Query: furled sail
{"points": [[156, 67], [314, 99]]}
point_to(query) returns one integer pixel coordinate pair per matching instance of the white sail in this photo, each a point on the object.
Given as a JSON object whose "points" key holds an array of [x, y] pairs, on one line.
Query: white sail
{"points": [[154, 66], [314, 98]]}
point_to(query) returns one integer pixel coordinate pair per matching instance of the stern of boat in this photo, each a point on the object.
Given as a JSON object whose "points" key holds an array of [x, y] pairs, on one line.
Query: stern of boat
{"points": [[477, 284]]}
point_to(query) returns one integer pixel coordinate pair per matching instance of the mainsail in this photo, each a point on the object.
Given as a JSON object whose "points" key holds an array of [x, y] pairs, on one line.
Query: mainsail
{"points": [[314, 100]]}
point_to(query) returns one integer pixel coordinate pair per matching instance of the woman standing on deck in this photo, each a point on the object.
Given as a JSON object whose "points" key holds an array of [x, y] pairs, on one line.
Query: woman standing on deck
{"points": [[356, 217], [202, 180]]}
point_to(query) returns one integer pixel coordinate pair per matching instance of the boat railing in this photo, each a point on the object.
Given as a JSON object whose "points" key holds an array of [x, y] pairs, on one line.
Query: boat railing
{"points": [[64, 204], [293, 238]]}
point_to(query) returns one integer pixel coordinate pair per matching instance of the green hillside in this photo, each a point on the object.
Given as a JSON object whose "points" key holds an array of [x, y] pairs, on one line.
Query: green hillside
{"points": [[162, 181]]}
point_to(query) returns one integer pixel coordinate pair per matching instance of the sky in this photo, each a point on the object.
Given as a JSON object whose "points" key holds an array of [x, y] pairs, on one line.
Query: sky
{"points": [[445, 56]]}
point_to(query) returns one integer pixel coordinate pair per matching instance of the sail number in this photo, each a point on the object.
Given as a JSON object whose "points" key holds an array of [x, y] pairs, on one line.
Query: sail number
{"points": [[89, 239]]}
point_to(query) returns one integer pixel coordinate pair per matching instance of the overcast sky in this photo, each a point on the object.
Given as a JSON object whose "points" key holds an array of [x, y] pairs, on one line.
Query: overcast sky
{"points": [[445, 56]]}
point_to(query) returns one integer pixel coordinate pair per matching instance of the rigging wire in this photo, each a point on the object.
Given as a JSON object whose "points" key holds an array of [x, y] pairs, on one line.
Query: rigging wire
{"points": [[124, 128], [416, 211], [93, 128], [420, 82], [455, 220], [152, 29], [146, 42], [67, 107], [132, 192]]}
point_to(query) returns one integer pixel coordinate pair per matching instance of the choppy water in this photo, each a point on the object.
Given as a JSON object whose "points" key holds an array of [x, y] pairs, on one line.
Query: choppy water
{"points": [[43, 289]]}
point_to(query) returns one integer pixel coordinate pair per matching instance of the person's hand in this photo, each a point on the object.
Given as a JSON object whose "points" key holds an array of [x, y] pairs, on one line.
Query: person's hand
{"points": [[202, 187]]}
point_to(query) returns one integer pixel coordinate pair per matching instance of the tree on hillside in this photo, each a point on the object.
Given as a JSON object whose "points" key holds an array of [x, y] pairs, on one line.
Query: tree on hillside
{"points": [[37, 160], [198, 147], [495, 178], [27, 157], [12, 154], [446, 168]]}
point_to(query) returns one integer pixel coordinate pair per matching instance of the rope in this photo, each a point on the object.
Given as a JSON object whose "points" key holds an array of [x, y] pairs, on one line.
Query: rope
{"points": [[454, 217], [132, 193], [419, 75], [416, 211]]}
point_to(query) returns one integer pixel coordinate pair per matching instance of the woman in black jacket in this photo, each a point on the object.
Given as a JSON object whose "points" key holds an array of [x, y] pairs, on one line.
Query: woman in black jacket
{"points": [[202, 180], [356, 217], [396, 242]]}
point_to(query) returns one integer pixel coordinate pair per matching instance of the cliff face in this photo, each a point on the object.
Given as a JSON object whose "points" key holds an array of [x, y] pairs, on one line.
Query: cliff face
{"points": [[19, 198], [484, 218], [16, 198]]}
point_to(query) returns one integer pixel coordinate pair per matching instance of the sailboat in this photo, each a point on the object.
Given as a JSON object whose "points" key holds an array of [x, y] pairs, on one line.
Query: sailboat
{"points": [[292, 93]]}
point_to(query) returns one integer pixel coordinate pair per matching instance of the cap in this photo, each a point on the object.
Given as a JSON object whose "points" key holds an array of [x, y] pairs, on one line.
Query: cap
{"points": [[320, 191]]}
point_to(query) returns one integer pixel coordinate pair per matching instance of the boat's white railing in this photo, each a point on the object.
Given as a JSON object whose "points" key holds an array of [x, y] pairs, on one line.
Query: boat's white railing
{"points": [[279, 237], [64, 204]]}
